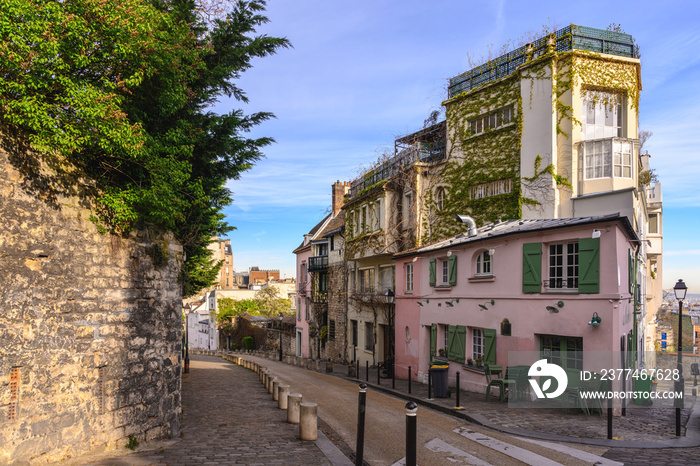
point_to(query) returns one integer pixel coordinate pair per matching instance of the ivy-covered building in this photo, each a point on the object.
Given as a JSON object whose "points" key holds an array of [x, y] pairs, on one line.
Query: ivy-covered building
{"points": [[389, 209], [550, 131]]}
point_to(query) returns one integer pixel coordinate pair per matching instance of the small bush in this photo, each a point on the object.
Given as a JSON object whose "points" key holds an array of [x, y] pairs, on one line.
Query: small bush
{"points": [[133, 443], [248, 343]]}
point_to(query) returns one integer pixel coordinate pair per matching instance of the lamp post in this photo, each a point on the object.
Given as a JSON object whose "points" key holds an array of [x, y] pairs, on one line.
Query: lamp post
{"points": [[679, 289], [280, 316]]}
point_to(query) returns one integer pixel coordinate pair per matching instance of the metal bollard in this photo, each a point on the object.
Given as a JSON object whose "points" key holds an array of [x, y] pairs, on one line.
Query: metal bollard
{"points": [[293, 406], [457, 390], [411, 427], [360, 447], [308, 421], [357, 369], [282, 397], [409, 380], [367, 371], [393, 375], [610, 412], [378, 379]]}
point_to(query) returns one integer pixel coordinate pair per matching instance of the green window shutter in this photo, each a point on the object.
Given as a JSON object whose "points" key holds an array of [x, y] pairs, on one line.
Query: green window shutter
{"points": [[456, 342], [489, 346], [589, 265], [630, 270], [532, 267], [452, 270], [431, 272], [433, 340]]}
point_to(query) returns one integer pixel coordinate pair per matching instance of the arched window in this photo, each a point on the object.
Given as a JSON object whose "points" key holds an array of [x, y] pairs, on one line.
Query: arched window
{"points": [[484, 264], [440, 198]]}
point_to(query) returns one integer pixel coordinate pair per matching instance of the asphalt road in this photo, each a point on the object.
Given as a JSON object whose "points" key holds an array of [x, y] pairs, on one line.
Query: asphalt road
{"points": [[442, 439]]}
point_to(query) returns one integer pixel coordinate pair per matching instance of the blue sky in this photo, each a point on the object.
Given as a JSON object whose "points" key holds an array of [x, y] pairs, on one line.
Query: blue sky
{"points": [[362, 73]]}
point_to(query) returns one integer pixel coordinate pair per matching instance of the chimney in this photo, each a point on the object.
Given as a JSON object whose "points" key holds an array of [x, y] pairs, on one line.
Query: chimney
{"points": [[340, 189]]}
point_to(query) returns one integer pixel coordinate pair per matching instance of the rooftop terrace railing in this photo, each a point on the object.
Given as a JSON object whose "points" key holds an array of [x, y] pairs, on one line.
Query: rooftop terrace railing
{"points": [[568, 38], [418, 153]]}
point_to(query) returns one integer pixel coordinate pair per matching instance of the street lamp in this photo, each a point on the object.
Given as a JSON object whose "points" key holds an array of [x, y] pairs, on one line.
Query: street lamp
{"points": [[280, 316], [679, 289]]}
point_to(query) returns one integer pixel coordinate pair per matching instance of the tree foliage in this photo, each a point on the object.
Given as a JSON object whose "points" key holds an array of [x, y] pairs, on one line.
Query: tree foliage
{"points": [[271, 303], [114, 98]]}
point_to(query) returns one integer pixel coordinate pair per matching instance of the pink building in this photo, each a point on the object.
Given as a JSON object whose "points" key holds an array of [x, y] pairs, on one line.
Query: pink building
{"points": [[520, 285]]}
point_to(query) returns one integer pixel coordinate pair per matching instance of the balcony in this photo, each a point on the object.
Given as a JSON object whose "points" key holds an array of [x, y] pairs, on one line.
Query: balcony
{"points": [[427, 145], [318, 264], [569, 38]]}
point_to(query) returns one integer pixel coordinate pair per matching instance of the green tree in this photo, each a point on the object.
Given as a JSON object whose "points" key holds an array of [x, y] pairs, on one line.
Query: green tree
{"points": [[227, 307], [114, 98], [271, 303]]}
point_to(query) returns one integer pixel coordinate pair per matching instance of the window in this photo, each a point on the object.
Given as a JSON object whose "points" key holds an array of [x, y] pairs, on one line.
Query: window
{"points": [[298, 308], [566, 352], [446, 337], [386, 278], [654, 224], [477, 343], [601, 115], [440, 198], [363, 219], [369, 336], [354, 332], [367, 280], [563, 266], [302, 273], [323, 282], [491, 120], [608, 157], [409, 278], [483, 263], [332, 241], [322, 249], [443, 271], [492, 188], [407, 206]]}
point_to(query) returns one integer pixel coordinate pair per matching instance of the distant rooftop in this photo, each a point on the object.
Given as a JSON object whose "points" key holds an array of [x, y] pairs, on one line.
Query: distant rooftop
{"points": [[571, 37]]}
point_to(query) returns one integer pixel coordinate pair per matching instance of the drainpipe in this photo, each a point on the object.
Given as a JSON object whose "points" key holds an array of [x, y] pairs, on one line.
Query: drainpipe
{"points": [[471, 224]]}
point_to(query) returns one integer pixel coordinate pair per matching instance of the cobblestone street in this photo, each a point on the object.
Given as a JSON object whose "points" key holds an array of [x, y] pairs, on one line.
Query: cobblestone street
{"points": [[219, 427]]}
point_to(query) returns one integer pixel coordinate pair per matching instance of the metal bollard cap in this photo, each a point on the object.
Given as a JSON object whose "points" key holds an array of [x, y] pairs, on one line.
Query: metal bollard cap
{"points": [[363, 387], [411, 408]]}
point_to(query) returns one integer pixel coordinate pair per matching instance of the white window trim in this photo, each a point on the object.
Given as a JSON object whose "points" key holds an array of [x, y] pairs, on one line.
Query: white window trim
{"points": [[479, 263], [408, 268], [477, 336], [564, 266]]}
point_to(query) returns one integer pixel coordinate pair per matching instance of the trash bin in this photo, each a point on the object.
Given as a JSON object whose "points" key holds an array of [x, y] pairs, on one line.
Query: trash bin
{"points": [[642, 385], [439, 379]]}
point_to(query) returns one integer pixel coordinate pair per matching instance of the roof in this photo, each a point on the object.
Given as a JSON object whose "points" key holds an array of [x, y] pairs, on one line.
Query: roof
{"points": [[335, 225], [312, 232], [519, 226]]}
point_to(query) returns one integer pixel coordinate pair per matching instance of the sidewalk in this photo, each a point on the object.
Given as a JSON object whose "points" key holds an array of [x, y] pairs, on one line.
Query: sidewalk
{"points": [[641, 427]]}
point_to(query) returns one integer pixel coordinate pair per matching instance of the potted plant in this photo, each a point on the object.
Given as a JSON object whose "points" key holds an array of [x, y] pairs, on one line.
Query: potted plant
{"points": [[479, 362], [442, 352], [470, 362]]}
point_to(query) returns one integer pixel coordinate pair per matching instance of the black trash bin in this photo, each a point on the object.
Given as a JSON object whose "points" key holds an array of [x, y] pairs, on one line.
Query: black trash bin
{"points": [[439, 380]]}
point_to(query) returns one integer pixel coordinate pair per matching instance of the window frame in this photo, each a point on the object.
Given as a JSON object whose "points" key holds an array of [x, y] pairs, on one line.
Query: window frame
{"points": [[568, 280], [478, 348], [408, 268], [366, 283], [369, 336], [482, 262]]}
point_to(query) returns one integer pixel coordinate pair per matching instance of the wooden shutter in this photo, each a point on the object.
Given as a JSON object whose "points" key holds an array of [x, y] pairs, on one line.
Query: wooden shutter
{"points": [[452, 270], [457, 340], [630, 271], [431, 272], [532, 267], [433, 340], [489, 346], [589, 265]]}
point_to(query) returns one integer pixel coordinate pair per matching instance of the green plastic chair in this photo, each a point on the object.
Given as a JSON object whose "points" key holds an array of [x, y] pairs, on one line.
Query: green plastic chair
{"points": [[492, 374]]}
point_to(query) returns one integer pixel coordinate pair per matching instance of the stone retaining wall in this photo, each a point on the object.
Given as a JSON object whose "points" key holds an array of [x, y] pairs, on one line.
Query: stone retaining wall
{"points": [[90, 328]]}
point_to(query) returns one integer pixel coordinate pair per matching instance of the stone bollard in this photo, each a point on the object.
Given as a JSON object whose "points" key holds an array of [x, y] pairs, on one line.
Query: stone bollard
{"points": [[293, 407], [272, 382], [329, 367], [275, 390], [282, 397], [318, 365], [308, 421]]}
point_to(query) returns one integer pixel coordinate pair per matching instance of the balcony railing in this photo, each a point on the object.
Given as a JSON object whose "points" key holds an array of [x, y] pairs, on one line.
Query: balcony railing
{"points": [[318, 264], [569, 38], [418, 153]]}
